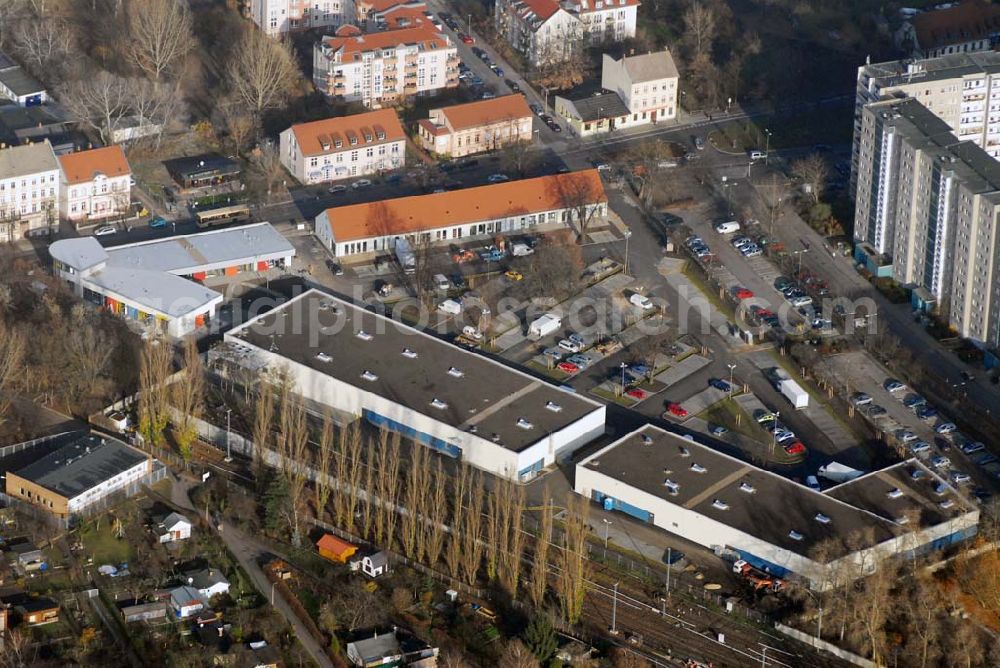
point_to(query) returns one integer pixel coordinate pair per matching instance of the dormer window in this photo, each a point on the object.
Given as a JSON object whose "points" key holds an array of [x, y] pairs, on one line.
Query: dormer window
{"points": [[338, 143], [354, 140], [368, 136], [647, 439], [685, 452], [380, 135]]}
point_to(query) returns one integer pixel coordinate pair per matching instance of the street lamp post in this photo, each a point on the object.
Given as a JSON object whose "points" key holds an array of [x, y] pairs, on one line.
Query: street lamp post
{"points": [[623, 365], [628, 235], [731, 368], [229, 453], [670, 563], [774, 434], [607, 523], [470, 25], [767, 143]]}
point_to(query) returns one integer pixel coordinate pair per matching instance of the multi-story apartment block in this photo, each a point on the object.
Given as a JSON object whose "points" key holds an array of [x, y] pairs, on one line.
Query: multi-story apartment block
{"points": [[476, 127], [972, 25], [371, 13], [384, 68], [963, 90], [542, 30], [96, 184], [343, 147], [605, 21], [647, 84], [931, 203], [278, 17], [29, 191]]}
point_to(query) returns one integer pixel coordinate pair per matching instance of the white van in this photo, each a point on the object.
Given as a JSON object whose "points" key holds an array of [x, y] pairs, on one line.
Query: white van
{"points": [[450, 306], [728, 227], [758, 155], [441, 282]]}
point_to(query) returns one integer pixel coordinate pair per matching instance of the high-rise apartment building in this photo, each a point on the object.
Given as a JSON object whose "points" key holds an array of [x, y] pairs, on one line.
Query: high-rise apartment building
{"points": [[278, 17], [963, 90], [930, 203]]}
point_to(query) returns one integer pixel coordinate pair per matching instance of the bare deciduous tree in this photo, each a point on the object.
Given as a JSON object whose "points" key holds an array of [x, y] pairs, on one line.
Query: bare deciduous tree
{"points": [[416, 490], [153, 373], [324, 460], [261, 71], [573, 562], [294, 442], [159, 33], [388, 489], [540, 564], [437, 515], [453, 550], [263, 414], [814, 171], [238, 122], [350, 470], [471, 528], [12, 350], [510, 559], [43, 45], [100, 101], [517, 655], [699, 27], [188, 398]]}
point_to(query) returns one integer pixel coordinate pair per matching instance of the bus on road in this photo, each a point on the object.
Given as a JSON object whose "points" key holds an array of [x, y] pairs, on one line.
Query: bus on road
{"points": [[238, 213]]}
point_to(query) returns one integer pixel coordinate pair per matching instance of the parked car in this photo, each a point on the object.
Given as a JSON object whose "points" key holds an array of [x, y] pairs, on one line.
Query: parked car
{"points": [[157, 222], [466, 39], [874, 410], [577, 339], [514, 275], [472, 333], [105, 230], [960, 477], [796, 448], [926, 412], [553, 353], [677, 409], [919, 447], [717, 430], [742, 293], [893, 385], [513, 85], [914, 401], [945, 428], [567, 367], [497, 70], [498, 178], [720, 384], [337, 189], [536, 109], [973, 446], [642, 301], [905, 435], [361, 184], [458, 281], [699, 143], [570, 346], [860, 399], [582, 361], [940, 462]]}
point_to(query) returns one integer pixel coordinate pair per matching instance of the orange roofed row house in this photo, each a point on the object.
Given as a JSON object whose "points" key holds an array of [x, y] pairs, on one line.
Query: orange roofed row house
{"points": [[486, 125], [384, 68], [343, 147], [96, 184], [576, 200]]}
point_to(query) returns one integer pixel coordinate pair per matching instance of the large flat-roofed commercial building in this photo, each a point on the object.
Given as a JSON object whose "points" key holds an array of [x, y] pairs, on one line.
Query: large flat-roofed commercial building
{"points": [[453, 400], [548, 202], [963, 90], [726, 504], [929, 204], [79, 474], [160, 281]]}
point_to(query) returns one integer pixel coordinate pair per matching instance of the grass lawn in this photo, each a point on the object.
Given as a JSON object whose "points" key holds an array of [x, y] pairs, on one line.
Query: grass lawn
{"points": [[823, 125], [728, 414], [104, 546], [627, 402], [553, 373]]}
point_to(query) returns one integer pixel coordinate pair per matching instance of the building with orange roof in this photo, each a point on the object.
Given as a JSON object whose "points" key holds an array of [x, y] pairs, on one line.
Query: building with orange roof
{"points": [[575, 200], [384, 68], [333, 548], [278, 17], [96, 184], [343, 147], [966, 27], [476, 127], [371, 13]]}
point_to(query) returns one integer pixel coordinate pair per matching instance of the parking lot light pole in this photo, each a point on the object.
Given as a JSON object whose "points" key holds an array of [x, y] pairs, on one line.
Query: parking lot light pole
{"points": [[774, 434], [731, 367], [623, 365], [607, 523], [767, 143], [628, 235]]}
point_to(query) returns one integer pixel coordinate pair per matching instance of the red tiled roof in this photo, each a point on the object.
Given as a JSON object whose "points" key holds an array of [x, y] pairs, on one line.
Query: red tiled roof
{"points": [[484, 112], [973, 19], [351, 48], [81, 167], [406, 215], [311, 137], [543, 9]]}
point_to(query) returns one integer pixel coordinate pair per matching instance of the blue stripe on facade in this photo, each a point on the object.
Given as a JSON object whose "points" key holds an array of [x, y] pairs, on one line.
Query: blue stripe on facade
{"points": [[534, 468], [409, 432], [611, 503]]}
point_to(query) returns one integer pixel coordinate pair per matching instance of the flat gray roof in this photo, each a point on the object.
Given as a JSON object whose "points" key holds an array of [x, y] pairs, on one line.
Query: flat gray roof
{"points": [[919, 502], [899, 72], [775, 508], [20, 82], [27, 159], [488, 397], [925, 130], [81, 465], [203, 251]]}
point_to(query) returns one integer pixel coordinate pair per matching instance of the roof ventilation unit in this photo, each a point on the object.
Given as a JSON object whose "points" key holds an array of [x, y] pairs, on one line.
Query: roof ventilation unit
{"points": [[685, 452], [821, 518], [553, 406], [747, 487], [324, 357], [368, 375], [437, 403], [895, 493], [698, 468], [672, 486], [363, 335], [524, 424], [647, 439], [794, 535], [412, 354], [719, 504], [455, 371]]}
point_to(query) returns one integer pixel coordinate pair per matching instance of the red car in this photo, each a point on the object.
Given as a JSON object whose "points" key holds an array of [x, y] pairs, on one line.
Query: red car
{"points": [[795, 448], [567, 367], [678, 410], [466, 39], [762, 312], [742, 293], [637, 394]]}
